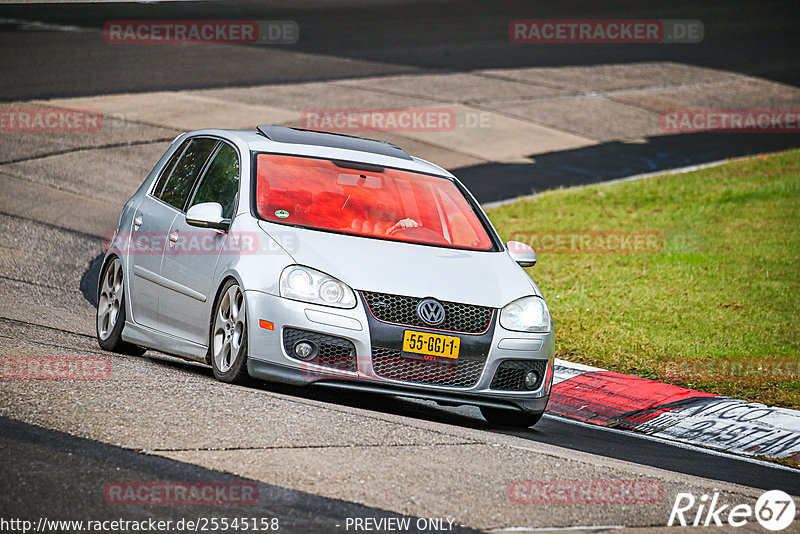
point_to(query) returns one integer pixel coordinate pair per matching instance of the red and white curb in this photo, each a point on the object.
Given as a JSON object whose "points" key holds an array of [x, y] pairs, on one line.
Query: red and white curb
{"points": [[615, 400]]}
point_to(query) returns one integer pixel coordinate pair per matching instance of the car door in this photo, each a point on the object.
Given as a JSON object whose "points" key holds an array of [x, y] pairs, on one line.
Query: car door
{"points": [[191, 255], [151, 223]]}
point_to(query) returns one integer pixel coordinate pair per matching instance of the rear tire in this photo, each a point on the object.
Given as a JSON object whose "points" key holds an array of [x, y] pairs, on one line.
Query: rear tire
{"points": [[510, 418], [227, 343], [110, 319]]}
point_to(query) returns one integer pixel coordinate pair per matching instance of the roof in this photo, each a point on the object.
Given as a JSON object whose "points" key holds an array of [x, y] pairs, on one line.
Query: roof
{"points": [[258, 141], [282, 134]]}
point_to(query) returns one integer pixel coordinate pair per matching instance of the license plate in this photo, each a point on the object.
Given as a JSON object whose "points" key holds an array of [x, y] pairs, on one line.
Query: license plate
{"points": [[431, 344]]}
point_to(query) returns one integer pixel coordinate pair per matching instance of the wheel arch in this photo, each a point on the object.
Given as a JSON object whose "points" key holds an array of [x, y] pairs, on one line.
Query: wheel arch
{"points": [[108, 259], [224, 279]]}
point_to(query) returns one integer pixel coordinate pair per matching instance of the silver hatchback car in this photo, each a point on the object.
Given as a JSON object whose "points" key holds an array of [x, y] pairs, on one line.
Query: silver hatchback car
{"points": [[314, 258]]}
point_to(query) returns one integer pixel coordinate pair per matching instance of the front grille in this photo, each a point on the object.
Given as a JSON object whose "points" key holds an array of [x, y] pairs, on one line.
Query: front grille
{"points": [[462, 318], [332, 351], [510, 375], [391, 364]]}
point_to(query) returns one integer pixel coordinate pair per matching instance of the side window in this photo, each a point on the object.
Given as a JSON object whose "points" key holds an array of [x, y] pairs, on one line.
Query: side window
{"points": [[167, 171], [178, 184], [221, 181]]}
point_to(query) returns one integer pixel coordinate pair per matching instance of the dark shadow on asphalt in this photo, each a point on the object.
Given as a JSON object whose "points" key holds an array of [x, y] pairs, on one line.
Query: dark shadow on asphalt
{"points": [[174, 362], [88, 284], [60, 476], [618, 159]]}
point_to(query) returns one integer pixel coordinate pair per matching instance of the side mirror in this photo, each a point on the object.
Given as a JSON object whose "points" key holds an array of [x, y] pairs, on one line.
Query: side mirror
{"points": [[207, 215], [521, 253]]}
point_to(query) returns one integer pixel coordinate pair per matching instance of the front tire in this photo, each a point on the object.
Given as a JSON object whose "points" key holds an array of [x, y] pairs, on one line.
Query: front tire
{"points": [[510, 418], [110, 318], [228, 337]]}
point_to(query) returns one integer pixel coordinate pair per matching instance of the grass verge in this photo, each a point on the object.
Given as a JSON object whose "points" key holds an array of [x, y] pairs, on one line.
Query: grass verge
{"points": [[691, 279]]}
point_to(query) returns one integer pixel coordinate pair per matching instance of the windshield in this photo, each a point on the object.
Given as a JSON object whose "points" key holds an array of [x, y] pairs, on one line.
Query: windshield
{"points": [[367, 201]]}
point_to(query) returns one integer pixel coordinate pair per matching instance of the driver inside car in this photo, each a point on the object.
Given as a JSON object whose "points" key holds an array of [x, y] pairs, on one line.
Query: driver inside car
{"points": [[367, 217], [403, 224], [383, 216]]}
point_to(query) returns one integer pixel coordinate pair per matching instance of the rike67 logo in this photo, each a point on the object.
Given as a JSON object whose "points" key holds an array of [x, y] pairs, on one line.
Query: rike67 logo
{"points": [[774, 510]]}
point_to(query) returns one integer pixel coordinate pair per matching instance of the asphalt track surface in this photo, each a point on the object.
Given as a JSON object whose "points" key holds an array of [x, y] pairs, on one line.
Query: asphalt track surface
{"points": [[353, 39], [583, 437], [65, 474], [357, 38]]}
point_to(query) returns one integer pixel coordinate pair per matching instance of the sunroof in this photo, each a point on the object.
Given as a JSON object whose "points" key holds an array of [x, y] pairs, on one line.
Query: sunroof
{"points": [[282, 134]]}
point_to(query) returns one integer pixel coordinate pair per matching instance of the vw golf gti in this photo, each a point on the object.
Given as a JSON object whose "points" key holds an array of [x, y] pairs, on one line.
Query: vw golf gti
{"points": [[305, 257]]}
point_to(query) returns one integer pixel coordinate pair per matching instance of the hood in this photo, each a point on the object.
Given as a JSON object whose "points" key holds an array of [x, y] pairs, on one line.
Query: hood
{"points": [[483, 278]]}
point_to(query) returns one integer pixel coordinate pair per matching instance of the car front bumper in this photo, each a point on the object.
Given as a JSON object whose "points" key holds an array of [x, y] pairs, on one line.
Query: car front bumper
{"points": [[269, 359]]}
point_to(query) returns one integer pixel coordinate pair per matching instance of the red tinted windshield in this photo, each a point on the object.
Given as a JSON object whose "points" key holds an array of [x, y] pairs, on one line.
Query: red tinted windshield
{"points": [[385, 203]]}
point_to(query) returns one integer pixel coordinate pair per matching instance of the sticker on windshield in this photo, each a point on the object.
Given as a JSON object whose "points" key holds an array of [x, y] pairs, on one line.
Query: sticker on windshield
{"points": [[281, 214]]}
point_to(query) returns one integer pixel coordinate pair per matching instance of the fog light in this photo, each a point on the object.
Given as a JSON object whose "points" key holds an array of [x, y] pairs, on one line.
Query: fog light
{"points": [[304, 350], [532, 380]]}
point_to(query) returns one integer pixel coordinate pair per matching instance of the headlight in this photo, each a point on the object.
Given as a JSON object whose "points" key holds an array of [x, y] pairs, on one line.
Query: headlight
{"points": [[528, 314], [309, 285]]}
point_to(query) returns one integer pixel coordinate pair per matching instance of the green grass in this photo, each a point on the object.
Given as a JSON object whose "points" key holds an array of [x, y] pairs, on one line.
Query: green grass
{"points": [[725, 286]]}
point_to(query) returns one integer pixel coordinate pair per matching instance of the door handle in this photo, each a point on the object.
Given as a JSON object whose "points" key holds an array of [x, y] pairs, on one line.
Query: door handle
{"points": [[173, 237], [137, 222]]}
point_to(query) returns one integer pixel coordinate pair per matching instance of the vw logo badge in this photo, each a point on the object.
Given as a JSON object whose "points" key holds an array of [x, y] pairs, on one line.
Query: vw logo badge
{"points": [[431, 312]]}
